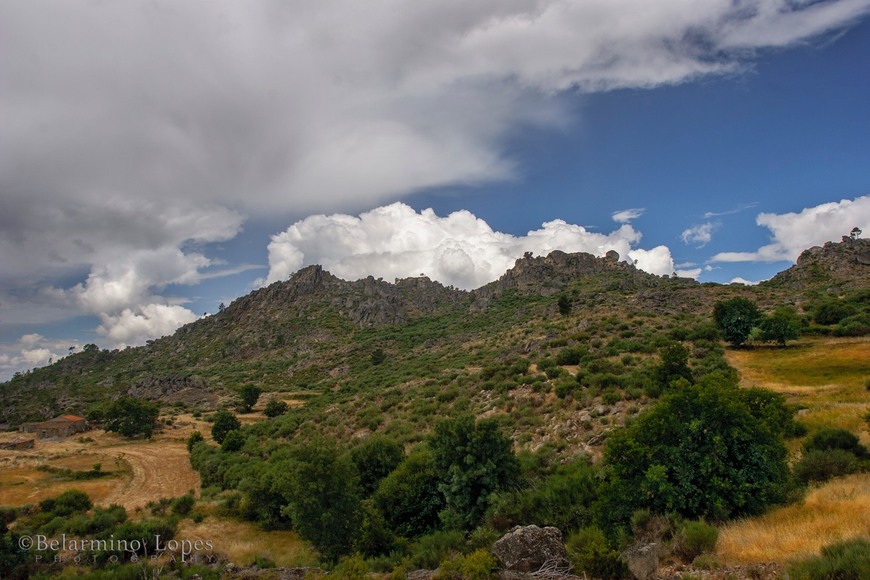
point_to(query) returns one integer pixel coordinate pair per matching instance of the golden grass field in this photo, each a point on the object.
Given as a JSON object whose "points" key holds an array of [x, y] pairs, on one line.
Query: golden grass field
{"points": [[827, 379], [144, 471]]}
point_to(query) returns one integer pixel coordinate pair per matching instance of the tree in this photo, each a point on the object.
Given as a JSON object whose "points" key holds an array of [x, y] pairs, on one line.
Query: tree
{"points": [[374, 459], [704, 450], [674, 365], [564, 305], [324, 498], [736, 318], [275, 408], [781, 326], [409, 497], [224, 422], [130, 417], [473, 460], [855, 233], [249, 395]]}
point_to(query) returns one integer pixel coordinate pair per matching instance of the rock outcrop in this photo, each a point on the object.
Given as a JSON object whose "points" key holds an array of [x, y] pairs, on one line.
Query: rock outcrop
{"points": [[530, 549]]}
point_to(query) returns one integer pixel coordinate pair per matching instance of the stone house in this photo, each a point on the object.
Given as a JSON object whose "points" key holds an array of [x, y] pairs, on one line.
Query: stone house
{"points": [[62, 426]]}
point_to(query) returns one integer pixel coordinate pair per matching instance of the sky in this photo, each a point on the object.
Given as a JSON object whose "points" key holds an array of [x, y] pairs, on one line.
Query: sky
{"points": [[159, 158]]}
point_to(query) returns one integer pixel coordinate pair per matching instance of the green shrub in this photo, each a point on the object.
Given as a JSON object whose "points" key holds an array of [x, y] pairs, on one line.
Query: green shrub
{"points": [[477, 565], [695, 538], [430, 550], [194, 438], [182, 505], [845, 560], [834, 438], [820, 465], [70, 502], [589, 553], [233, 441]]}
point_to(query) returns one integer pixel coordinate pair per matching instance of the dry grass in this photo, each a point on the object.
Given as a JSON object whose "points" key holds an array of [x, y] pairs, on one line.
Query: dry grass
{"points": [[241, 542], [826, 378], [145, 470], [837, 510]]}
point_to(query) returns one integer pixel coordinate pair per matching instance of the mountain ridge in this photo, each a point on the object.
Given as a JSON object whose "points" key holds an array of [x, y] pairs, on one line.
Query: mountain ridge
{"points": [[316, 331]]}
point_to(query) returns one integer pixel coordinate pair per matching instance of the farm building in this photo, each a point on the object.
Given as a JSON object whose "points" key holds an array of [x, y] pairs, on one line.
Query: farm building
{"points": [[62, 426]]}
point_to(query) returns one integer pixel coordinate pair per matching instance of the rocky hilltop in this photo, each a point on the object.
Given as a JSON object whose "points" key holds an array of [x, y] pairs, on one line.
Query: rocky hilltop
{"points": [[315, 331], [833, 267]]}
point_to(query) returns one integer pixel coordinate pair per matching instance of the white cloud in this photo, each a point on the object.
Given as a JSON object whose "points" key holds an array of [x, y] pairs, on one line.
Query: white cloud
{"points": [[460, 249], [744, 281], [627, 215], [700, 235], [136, 326], [32, 350], [793, 233], [149, 128]]}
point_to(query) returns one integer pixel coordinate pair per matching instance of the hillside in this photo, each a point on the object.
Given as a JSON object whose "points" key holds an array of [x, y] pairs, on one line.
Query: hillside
{"points": [[423, 423], [314, 335]]}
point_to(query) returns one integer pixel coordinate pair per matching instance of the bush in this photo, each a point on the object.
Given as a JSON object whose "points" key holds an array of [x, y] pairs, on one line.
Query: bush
{"points": [[182, 505], [834, 438], [695, 538], [194, 438], [233, 441], [430, 550], [477, 565], [374, 459], [275, 408], [818, 465], [589, 553], [845, 560], [70, 502]]}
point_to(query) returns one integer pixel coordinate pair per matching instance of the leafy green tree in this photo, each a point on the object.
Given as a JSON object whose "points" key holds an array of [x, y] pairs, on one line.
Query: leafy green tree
{"points": [[324, 498], [374, 459], [409, 497], [224, 422], [130, 417], [736, 318], [275, 408], [249, 395], [781, 326], [674, 365], [700, 452], [474, 460]]}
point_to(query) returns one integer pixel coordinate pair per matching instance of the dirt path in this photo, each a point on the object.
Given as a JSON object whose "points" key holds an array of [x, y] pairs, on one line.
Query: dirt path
{"points": [[159, 469]]}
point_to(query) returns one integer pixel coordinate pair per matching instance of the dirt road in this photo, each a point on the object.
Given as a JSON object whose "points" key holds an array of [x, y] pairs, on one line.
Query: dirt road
{"points": [[159, 469]]}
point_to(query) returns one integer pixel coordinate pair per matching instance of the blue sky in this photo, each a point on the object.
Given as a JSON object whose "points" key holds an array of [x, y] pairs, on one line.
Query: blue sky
{"points": [[160, 158]]}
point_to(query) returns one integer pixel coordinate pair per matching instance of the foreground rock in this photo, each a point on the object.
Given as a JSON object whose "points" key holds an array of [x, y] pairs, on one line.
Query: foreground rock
{"points": [[530, 549]]}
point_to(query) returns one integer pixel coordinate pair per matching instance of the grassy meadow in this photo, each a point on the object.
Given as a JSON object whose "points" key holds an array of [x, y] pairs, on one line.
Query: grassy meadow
{"points": [[826, 379]]}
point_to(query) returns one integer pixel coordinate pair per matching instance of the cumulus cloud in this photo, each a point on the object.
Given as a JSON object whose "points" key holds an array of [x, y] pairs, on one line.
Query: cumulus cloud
{"points": [[793, 233], [627, 215], [744, 281], [149, 127], [32, 350], [460, 249], [700, 234]]}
